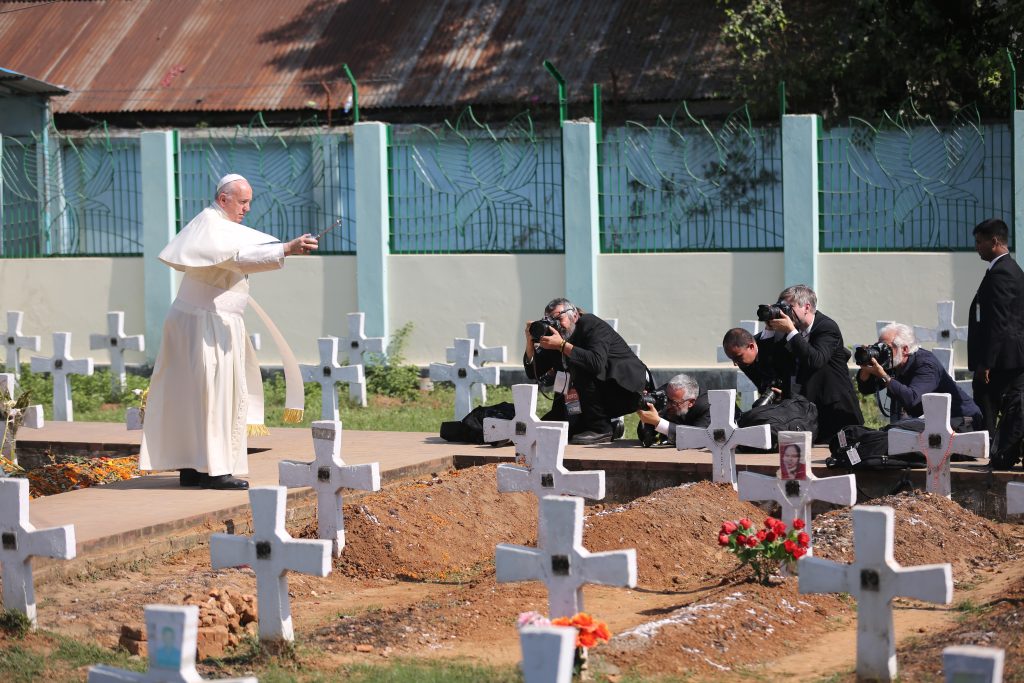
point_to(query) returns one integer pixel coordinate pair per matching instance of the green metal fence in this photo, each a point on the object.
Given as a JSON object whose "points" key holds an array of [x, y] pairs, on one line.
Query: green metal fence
{"points": [[468, 187], [302, 178], [686, 185], [909, 184]]}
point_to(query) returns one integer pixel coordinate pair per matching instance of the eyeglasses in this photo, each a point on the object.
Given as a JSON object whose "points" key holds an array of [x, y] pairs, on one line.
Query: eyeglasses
{"points": [[556, 316], [679, 404]]}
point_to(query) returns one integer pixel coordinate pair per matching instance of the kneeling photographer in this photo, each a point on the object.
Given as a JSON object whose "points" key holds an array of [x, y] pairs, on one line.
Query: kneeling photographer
{"points": [[596, 377], [907, 372], [677, 402]]}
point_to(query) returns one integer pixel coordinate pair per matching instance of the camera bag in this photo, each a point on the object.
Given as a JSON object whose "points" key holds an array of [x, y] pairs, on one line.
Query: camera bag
{"points": [[795, 414], [872, 451], [470, 429]]}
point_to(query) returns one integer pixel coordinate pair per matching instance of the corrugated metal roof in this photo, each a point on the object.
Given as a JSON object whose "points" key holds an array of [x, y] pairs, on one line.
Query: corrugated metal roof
{"points": [[20, 83], [248, 55]]}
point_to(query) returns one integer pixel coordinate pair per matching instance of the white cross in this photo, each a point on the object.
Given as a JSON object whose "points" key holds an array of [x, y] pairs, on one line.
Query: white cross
{"points": [[1014, 498], [614, 323], [481, 354], [747, 389], [271, 553], [547, 475], [256, 340], [561, 561], [118, 342], [521, 430], [945, 332], [722, 437], [328, 474], [20, 542], [462, 374], [548, 653], [171, 635], [61, 365], [329, 373], [15, 341], [972, 664], [945, 357], [874, 579], [32, 417], [881, 324], [795, 496], [938, 442], [357, 344]]}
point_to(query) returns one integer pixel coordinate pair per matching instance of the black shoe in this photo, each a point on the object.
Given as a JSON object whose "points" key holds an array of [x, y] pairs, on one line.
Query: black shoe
{"points": [[189, 477], [224, 482], [590, 438], [618, 428]]}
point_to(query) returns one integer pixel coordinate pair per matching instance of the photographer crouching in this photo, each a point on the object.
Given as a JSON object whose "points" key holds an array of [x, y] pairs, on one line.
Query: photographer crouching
{"points": [[907, 372], [595, 375], [677, 402]]}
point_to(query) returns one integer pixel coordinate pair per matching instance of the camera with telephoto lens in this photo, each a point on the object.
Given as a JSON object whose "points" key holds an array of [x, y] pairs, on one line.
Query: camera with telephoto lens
{"points": [[539, 328], [880, 351], [769, 396], [780, 309], [657, 398]]}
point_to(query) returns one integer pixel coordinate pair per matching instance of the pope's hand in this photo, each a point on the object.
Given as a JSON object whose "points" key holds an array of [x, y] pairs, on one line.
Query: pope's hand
{"points": [[301, 245]]}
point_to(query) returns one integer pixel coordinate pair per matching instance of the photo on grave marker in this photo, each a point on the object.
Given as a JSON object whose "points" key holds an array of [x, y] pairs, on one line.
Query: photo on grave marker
{"points": [[792, 464]]}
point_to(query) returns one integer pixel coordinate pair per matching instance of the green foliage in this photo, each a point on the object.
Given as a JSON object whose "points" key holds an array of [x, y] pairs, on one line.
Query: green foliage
{"points": [[93, 399], [76, 654], [14, 623], [21, 665], [389, 376], [433, 672]]}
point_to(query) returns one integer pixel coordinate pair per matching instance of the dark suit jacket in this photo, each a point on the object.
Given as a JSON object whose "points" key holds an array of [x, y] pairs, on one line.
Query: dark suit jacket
{"points": [[996, 340], [599, 351], [923, 374]]}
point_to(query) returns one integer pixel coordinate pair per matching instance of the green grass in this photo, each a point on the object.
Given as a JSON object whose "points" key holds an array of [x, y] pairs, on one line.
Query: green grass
{"points": [[18, 664]]}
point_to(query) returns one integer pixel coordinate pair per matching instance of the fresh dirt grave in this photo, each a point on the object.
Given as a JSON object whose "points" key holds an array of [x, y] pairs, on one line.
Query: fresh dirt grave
{"points": [[416, 579]]}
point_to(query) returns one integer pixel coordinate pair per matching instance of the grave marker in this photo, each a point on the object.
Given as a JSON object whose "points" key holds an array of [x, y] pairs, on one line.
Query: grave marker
{"points": [[945, 332], [521, 430], [1014, 498], [722, 437], [938, 442], [945, 357], [329, 373], [327, 475], [60, 366], [560, 561], [20, 541], [747, 389], [271, 553], [256, 340], [357, 344], [547, 475], [874, 579], [481, 354], [548, 653], [462, 374], [33, 417], [972, 664], [118, 342], [14, 341], [172, 632], [614, 323], [795, 496]]}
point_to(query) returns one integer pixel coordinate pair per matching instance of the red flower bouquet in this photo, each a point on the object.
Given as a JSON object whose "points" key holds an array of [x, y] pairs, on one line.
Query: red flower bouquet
{"points": [[764, 549]]}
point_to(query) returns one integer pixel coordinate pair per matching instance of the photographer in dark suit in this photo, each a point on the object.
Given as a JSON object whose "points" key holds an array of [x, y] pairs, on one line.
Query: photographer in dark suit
{"points": [[909, 372], [685, 404], [595, 374], [995, 343], [800, 351]]}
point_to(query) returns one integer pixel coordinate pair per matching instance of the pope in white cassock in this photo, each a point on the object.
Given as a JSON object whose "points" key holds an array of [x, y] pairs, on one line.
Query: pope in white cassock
{"points": [[206, 394]]}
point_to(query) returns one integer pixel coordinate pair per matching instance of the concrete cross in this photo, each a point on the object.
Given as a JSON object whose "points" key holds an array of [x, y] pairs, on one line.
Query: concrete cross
{"points": [[357, 344], [561, 561], [1014, 498], [171, 634], [795, 496], [614, 323], [548, 653], [327, 475], [746, 388], [722, 437], [32, 419], [463, 373], [60, 366], [271, 553], [945, 332], [547, 475], [118, 342], [874, 579], [15, 341], [880, 324], [329, 373], [938, 442], [521, 430], [20, 541], [945, 357], [256, 340], [972, 664], [481, 354]]}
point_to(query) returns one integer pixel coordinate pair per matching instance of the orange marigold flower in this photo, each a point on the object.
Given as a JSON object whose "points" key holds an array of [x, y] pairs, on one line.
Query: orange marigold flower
{"points": [[561, 621]]}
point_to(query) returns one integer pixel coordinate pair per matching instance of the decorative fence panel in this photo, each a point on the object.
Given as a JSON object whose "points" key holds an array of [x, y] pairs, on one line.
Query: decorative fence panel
{"points": [[20, 233]]}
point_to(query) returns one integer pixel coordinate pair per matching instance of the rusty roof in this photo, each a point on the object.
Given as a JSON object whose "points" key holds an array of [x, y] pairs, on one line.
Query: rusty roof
{"points": [[250, 55]]}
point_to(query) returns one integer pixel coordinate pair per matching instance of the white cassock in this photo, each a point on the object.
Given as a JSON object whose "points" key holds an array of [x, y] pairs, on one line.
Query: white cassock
{"points": [[206, 393]]}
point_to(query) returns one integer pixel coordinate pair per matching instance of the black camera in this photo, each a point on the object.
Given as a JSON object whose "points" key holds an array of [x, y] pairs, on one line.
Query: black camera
{"points": [[539, 328], [769, 396], [656, 398], [766, 312], [879, 351]]}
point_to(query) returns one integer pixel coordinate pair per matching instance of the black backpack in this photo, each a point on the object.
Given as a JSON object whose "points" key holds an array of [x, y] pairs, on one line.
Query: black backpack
{"points": [[795, 414], [470, 429], [861, 448]]}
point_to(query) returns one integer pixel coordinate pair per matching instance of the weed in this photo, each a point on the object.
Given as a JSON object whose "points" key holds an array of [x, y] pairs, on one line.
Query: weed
{"points": [[77, 654], [20, 665], [15, 623]]}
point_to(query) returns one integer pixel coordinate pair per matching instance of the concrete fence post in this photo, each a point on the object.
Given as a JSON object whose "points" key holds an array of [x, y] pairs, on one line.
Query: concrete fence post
{"points": [[800, 199], [158, 228], [582, 216], [1018, 181], [372, 225]]}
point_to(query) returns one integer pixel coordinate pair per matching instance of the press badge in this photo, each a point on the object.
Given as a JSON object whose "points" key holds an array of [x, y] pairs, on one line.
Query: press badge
{"points": [[853, 455], [572, 402], [561, 382]]}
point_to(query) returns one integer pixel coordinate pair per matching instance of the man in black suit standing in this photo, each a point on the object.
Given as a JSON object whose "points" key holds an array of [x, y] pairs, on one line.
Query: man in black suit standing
{"points": [[995, 343], [596, 376], [801, 352]]}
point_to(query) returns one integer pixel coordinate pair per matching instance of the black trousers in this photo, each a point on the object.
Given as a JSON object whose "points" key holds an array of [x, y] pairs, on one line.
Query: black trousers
{"points": [[1002, 398], [600, 402]]}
